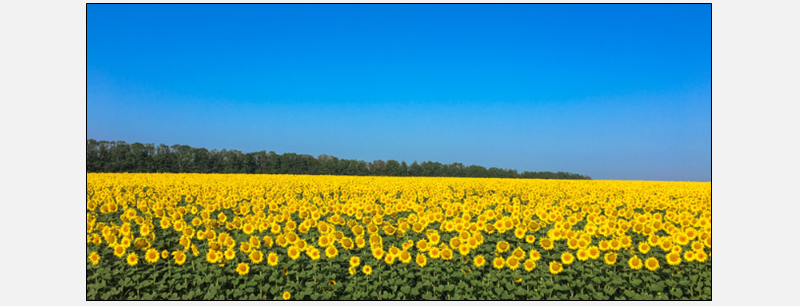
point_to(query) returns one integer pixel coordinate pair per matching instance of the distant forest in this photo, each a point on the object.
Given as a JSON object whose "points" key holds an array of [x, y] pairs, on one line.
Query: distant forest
{"points": [[118, 156]]}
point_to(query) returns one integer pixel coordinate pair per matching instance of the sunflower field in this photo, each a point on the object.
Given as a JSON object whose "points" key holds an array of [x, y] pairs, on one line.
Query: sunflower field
{"points": [[298, 237]]}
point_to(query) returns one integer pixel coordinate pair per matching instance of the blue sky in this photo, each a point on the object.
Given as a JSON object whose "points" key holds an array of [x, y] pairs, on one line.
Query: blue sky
{"points": [[610, 91]]}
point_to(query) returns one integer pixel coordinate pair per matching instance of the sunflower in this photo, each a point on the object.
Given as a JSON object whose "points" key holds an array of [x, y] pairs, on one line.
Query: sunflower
{"points": [[229, 254], [463, 249], [242, 268], [272, 259], [689, 256], [144, 230], [389, 259], [530, 238], [255, 242], [405, 256], [555, 267], [479, 261], [244, 247], [347, 243], [518, 253], [604, 245], [302, 245], [132, 259], [164, 254], [434, 252], [394, 251], [331, 251], [626, 241], [644, 247], [529, 265], [286, 295], [519, 233], [666, 245], [546, 244], [567, 258], [701, 256], [447, 253], [377, 253], [211, 256], [151, 256], [635, 263], [367, 270], [313, 253], [697, 246], [502, 247], [248, 229], [94, 258], [498, 262], [281, 241], [179, 256], [355, 261], [324, 241], [434, 238], [256, 257], [294, 252], [651, 264], [421, 260], [351, 270], [512, 262], [572, 244], [583, 255], [673, 258], [119, 251], [594, 252], [682, 239], [534, 254]]}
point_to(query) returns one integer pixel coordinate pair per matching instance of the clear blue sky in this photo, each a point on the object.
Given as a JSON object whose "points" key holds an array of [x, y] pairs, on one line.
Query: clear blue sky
{"points": [[610, 91]]}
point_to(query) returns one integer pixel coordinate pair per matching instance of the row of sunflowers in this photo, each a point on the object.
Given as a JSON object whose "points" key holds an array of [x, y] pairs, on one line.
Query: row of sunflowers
{"points": [[226, 236]]}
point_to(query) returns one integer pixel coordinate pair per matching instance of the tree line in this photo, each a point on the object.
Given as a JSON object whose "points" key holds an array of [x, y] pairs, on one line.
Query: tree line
{"points": [[119, 156]]}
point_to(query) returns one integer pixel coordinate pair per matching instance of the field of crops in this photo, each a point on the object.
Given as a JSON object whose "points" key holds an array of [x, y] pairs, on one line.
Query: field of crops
{"points": [[219, 236]]}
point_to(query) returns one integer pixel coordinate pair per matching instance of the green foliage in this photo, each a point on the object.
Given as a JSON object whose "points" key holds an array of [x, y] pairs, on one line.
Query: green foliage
{"points": [[110, 156]]}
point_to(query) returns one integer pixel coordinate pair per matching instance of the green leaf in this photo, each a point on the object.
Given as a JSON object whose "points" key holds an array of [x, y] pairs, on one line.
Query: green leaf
{"points": [[405, 289], [629, 293], [657, 287], [599, 296]]}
